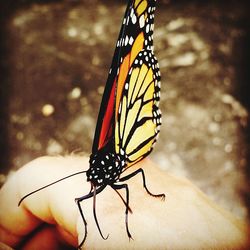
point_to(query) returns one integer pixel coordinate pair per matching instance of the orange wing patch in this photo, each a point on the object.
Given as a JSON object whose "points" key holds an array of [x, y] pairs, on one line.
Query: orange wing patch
{"points": [[125, 66], [121, 79], [137, 47]]}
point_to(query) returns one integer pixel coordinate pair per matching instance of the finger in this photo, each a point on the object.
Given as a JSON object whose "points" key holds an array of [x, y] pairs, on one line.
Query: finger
{"points": [[54, 205], [44, 237]]}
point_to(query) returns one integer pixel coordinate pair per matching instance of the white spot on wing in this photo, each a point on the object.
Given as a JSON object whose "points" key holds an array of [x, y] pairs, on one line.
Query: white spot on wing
{"points": [[142, 21], [134, 19], [126, 86], [131, 40], [126, 41]]}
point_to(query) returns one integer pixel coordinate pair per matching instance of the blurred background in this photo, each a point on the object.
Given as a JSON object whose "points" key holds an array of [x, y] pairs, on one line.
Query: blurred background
{"points": [[55, 56]]}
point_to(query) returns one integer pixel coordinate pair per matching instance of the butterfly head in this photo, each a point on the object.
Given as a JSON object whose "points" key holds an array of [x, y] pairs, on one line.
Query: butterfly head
{"points": [[105, 168]]}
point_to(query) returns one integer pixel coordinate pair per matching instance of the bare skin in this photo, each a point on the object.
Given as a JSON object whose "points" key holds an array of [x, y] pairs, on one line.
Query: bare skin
{"points": [[187, 219]]}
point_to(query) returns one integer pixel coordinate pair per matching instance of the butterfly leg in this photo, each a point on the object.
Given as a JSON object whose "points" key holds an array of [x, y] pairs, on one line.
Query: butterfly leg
{"points": [[78, 202], [94, 212], [129, 209], [84, 221], [120, 186], [140, 170]]}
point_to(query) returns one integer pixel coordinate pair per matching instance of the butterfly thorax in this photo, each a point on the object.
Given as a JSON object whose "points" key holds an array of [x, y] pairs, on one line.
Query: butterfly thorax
{"points": [[105, 168]]}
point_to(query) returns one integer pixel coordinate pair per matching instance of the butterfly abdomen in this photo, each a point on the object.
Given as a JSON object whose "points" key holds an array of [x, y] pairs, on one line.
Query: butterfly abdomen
{"points": [[105, 168]]}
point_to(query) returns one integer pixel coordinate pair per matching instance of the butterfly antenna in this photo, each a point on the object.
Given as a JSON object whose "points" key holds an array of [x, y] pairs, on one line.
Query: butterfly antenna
{"points": [[39, 189], [94, 212]]}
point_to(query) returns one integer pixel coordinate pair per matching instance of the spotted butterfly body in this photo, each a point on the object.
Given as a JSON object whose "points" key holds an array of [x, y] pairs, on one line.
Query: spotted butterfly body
{"points": [[129, 118]]}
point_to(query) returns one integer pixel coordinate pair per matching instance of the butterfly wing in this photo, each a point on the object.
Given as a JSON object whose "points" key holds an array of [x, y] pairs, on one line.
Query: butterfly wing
{"points": [[138, 116], [104, 132], [133, 57]]}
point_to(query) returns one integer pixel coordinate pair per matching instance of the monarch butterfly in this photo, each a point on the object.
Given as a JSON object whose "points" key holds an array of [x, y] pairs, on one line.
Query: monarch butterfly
{"points": [[129, 117]]}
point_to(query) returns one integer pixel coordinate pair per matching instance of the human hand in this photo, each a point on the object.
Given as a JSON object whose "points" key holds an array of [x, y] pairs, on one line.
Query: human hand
{"points": [[49, 219]]}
